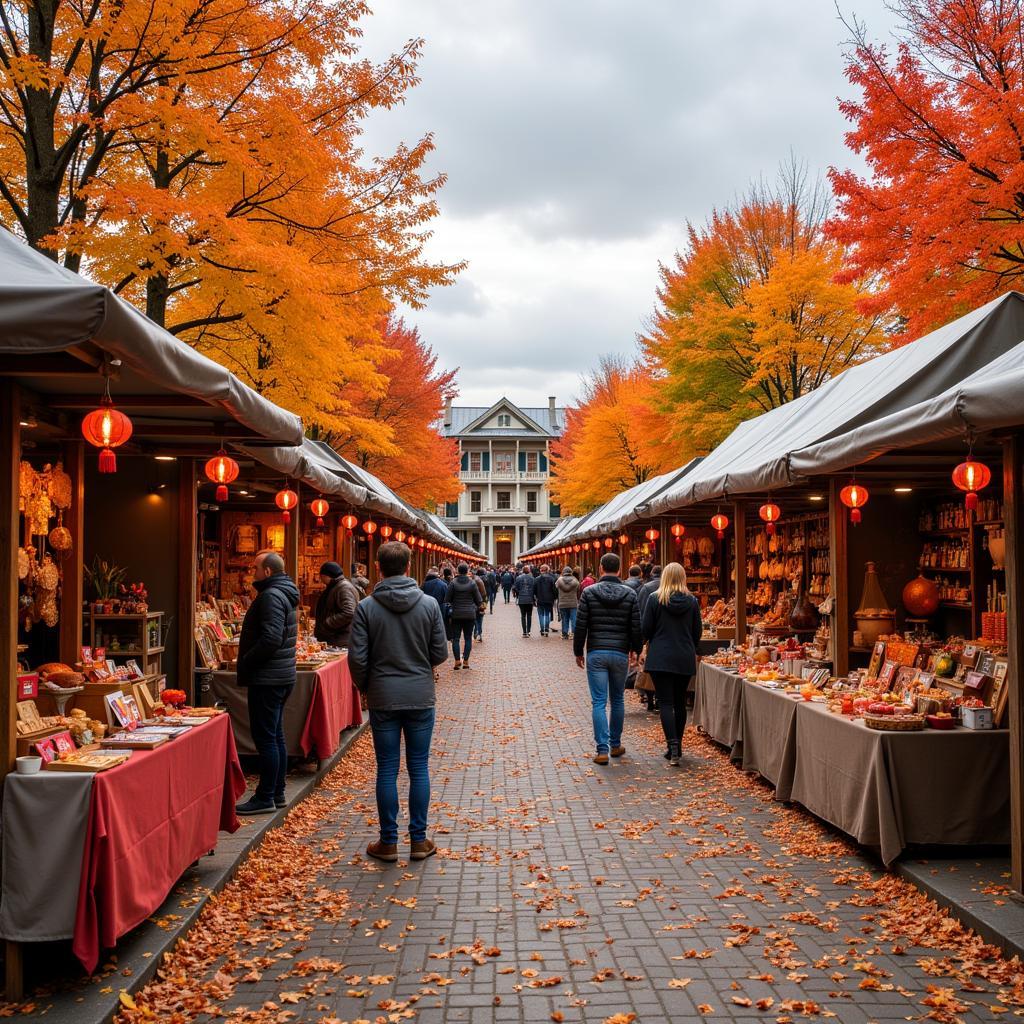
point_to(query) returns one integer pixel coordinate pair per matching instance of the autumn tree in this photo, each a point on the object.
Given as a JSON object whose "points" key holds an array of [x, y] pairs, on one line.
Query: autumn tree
{"points": [[613, 439], [940, 121], [750, 315], [393, 428], [202, 158]]}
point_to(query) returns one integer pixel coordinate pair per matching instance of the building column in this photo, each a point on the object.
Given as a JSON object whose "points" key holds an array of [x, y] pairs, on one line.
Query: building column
{"points": [[515, 464]]}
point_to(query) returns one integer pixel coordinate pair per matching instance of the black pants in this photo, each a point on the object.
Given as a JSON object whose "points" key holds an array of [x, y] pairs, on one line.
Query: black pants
{"points": [[670, 689], [266, 723], [526, 614], [506, 591], [491, 595], [462, 629]]}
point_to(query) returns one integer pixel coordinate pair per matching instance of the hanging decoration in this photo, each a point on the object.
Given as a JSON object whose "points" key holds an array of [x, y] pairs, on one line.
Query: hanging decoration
{"points": [[221, 470], [369, 527], [770, 513], [106, 428], [720, 524], [854, 496], [400, 536], [652, 535], [319, 507], [350, 522], [623, 538], [677, 530], [386, 531], [971, 476], [608, 542], [286, 500]]}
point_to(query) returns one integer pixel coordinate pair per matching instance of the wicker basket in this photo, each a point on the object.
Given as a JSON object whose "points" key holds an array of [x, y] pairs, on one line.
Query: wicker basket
{"points": [[895, 723]]}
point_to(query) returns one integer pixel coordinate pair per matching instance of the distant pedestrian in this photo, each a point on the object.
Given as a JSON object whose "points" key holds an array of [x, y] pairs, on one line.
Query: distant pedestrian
{"points": [[588, 580], [360, 579], [606, 642], [525, 589], [478, 628], [568, 588], [465, 601], [397, 641], [266, 668], [491, 584], [644, 593], [635, 579], [546, 593], [672, 627], [507, 582], [435, 586], [335, 607]]}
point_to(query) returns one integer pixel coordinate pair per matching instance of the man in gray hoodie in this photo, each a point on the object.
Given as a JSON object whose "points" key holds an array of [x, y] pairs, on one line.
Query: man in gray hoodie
{"points": [[397, 640]]}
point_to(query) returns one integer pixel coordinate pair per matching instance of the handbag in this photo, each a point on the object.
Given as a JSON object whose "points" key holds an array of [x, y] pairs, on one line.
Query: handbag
{"points": [[644, 682]]}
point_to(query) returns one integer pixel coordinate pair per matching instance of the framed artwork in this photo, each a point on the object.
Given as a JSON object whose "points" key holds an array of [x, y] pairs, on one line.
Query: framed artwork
{"points": [[134, 710], [877, 659], [244, 539], [926, 680], [906, 679], [999, 670], [969, 657], [119, 715], [275, 537], [317, 542], [986, 663], [204, 647]]}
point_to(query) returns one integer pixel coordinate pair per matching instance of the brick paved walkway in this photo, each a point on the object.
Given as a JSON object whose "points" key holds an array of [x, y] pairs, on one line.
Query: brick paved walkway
{"points": [[565, 891]]}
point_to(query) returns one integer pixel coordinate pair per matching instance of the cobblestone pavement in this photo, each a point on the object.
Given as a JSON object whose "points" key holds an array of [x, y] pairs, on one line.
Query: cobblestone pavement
{"points": [[568, 891]]}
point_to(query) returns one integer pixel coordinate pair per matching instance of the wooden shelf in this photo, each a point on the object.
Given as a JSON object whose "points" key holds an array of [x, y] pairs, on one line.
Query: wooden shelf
{"points": [[946, 533], [965, 605], [942, 568], [989, 522]]}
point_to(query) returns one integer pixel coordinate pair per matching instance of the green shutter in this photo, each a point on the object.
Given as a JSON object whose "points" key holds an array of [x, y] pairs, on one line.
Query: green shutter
{"points": [[543, 462], [465, 461], [554, 511], [485, 461], [451, 509], [522, 462]]}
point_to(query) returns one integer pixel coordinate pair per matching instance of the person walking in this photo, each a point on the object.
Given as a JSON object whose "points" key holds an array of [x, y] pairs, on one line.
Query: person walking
{"points": [[335, 607], [525, 589], [266, 668], [606, 642], [672, 627], [568, 588], [465, 600], [435, 586], [491, 585], [360, 580], [546, 593], [507, 583], [635, 579], [478, 626], [397, 642], [587, 581], [644, 593]]}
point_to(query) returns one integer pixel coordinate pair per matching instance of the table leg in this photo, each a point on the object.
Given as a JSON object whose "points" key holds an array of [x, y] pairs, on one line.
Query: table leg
{"points": [[14, 981]]}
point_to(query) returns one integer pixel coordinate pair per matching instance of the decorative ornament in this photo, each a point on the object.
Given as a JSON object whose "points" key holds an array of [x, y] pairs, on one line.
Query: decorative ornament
{"points": [[369, 527], [59, 487], [608, 542], [286, 500], [106, 428], [971, 476], [854, 496], [652, 534], [770, 514], [60, 537], [623, 539], [595, 544], [677, 530], [386, 531], [221, 470], [350, 522], [921, 597], [400, 536], [720, 523], [319, 508]]}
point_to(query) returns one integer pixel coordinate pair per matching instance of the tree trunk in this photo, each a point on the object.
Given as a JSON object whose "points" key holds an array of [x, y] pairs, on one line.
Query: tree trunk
{"points": [[42, 178], [157, 286]]}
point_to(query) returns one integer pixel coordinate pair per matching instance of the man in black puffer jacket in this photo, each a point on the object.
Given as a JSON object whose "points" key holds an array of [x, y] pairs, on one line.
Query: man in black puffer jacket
{"points": [[525, 589], [546, 593], [266, 666], [607, 639]]}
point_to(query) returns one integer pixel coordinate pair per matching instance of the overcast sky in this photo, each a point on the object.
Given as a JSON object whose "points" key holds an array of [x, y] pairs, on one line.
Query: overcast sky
{"points": [[579, 136]]}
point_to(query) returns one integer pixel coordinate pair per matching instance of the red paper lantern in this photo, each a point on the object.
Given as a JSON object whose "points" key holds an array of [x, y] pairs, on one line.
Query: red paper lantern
{"points": [[369, 527], [595, 544], [319, 508], [576, 548], [386, 531], [106, 428], [770, 513], [677, 530], [623, 538], [350, 522], [286, 500], [854, 496], [400, 536], [608, 542], [221, 470], [971, 476], [720, 523], [652, 534], [421, 542]]}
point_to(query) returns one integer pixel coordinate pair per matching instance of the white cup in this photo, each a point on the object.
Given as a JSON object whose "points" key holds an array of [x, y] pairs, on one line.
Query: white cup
{"points": [[29, 764]]}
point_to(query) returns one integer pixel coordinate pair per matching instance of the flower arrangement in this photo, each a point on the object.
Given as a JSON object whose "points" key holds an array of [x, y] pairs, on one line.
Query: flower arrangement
{"points": [[173, 698], [134, 598], [105, 578]]}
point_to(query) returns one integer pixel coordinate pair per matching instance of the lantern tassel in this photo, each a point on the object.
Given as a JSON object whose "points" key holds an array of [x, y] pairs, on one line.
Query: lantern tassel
{"points": [[319, 520], [855, 516], [108, 461], [770, 529], [222, 492], [286, 516], [971, 501]]}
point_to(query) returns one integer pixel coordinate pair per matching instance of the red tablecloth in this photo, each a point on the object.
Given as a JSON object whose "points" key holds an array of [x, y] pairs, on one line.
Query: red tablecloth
{"points": [[333, 706], [149, 819]]}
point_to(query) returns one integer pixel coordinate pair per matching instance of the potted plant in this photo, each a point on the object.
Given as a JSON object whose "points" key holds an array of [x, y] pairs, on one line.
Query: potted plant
{"points": [[105, 578]]}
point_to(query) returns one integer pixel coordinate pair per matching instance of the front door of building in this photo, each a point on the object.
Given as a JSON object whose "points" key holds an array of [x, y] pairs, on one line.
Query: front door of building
{"points": [[503, 547]]}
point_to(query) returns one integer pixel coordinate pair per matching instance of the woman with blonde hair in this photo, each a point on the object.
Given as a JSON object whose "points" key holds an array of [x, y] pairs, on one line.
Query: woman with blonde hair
{"points": [[672, 627]]}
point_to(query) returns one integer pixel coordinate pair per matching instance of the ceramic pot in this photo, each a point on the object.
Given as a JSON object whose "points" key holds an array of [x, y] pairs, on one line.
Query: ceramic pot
{"points": [[921, 597]]}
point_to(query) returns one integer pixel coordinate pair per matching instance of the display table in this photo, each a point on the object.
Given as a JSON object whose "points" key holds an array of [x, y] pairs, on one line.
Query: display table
{"points": [[717, 706], [768, 727], [88, 857], [323, 703]]}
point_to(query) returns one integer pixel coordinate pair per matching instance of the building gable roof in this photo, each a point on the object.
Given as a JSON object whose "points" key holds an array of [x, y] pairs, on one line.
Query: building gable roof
{"points": [[470, 420]]}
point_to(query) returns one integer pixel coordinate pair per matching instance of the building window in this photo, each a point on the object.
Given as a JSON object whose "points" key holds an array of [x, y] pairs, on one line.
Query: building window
{"points": [[475, 543], [531, 462], [531, 501], [503, 462], [504, 420], [474, 462], [474, 501], [533, 539], [504, 501], [451, 510]]}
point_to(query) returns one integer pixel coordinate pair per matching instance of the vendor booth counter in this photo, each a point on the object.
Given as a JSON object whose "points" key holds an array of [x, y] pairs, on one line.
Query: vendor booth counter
{"points": [[888, 790]]}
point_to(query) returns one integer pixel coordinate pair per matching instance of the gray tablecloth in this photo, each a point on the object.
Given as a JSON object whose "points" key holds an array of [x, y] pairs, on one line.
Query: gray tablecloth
{"points": [[44, 822], [768, 727], [234, 697], [889, 789], [717, 700]]}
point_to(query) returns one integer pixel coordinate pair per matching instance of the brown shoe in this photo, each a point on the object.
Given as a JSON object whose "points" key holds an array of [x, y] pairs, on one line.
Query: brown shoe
{"points": [[457, 666], [422, 849], [618, 751], [383, 851], [600, 759]]}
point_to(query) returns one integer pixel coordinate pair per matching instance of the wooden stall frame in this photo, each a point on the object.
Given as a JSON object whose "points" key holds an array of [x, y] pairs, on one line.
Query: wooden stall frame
{"points": [[72, 589], [739, 540], [188, 540], [1013, 454], [840, 579]]}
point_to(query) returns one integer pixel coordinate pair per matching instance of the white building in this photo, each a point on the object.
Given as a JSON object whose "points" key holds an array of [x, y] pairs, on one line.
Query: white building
{"points": [[505, 455]]}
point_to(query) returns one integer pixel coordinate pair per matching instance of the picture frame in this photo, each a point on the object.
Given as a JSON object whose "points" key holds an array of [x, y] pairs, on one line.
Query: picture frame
{"points": [[133, 710], [244, 539], [905, 679], [119, 715], [204, 647], [877, 659], [986, 663], [144, 700], [275, 537], [886, 674]]}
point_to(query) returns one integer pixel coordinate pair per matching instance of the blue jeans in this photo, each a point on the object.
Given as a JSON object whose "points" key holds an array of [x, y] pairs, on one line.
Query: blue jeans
{"points": [[478, 628], [568, 617], [266, 723], [462, 629], [544, 617], [606, 676], [387, 728]]}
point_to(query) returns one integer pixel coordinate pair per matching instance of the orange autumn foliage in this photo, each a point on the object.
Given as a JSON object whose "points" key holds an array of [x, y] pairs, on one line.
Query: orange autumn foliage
{"points": [[940, 219], [613, 440], [411, 455]]}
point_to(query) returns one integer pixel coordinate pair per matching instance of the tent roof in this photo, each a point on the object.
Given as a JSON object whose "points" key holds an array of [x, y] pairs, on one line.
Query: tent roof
{"points": [[755, 457], [58, 330]]}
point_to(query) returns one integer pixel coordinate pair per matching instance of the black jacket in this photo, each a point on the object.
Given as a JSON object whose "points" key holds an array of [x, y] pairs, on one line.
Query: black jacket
{"points": [[507, 579], [633, 582], [526, 589], [266, 648], [491, 583], [334, 612], [397, 639], [672, 632], [436, 588], [545, 589], [608, 618], [646, 590], [464, 598]]}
